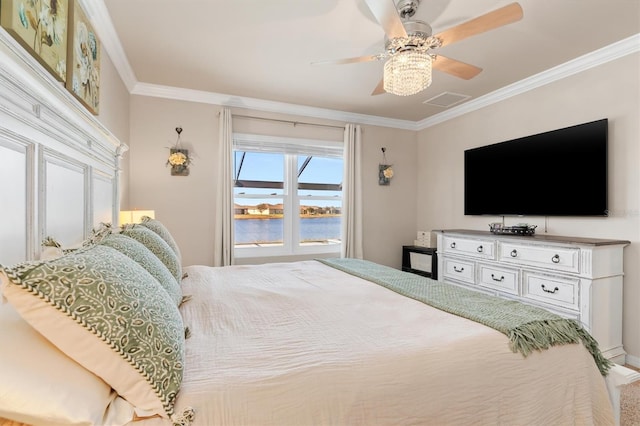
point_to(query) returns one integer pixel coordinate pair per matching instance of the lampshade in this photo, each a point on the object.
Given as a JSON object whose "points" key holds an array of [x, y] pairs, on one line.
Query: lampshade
{"points": [[407, 73], [135, 216]]}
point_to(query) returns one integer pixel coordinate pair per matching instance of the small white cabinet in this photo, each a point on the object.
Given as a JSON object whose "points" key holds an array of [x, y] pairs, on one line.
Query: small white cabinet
{"points": [[574, 277]]}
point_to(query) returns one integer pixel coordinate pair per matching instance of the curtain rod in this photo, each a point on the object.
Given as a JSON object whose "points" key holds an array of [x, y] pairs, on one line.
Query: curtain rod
{"points": [[295, 123]]}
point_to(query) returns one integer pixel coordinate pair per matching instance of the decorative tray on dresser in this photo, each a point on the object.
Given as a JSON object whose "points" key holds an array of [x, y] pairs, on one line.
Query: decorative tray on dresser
{"points": [[574, 277]]}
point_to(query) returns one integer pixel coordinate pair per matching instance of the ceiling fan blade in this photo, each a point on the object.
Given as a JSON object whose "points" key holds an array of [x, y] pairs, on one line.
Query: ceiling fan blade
{"points": [[387, 16], [379, 90], [489, 21], [455, 68], [349, 60]]}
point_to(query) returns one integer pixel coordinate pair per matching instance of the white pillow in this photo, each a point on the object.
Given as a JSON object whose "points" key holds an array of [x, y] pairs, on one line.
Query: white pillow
{"points": [[40, 385], [50, 253], [110, 315]]}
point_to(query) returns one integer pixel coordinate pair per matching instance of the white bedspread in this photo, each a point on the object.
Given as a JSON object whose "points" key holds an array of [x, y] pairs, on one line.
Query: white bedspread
{"points": [[305, 344]]}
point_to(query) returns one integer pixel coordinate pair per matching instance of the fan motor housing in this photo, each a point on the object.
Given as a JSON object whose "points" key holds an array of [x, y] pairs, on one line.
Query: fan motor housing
{"points": [[407, 8], [415, 29]]}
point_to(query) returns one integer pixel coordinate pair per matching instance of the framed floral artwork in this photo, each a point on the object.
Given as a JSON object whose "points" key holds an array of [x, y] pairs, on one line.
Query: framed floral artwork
{"points": [[83, 59], [41, 27]]}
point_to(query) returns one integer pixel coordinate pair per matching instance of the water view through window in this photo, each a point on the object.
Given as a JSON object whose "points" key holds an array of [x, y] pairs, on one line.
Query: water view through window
{"points": [[321, 230], [285, 199]]}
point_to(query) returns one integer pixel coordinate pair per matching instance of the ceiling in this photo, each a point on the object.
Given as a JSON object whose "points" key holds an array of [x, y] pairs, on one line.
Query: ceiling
{"points": [[263, 49]]}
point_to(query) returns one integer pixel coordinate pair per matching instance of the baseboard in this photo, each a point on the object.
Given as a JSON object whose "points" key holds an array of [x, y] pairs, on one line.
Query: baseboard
{"points": [[633, 361]]}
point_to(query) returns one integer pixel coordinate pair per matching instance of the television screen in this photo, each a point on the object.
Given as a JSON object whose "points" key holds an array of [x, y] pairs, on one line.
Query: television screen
{"points": [[557, 173]]}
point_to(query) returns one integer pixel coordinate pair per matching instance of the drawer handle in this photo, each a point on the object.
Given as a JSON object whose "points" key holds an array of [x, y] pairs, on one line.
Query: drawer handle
{"points": [[480, 249], [455, 268], [453, 245], [549, 291], [497, 279], [514, 253], [555, 259]]}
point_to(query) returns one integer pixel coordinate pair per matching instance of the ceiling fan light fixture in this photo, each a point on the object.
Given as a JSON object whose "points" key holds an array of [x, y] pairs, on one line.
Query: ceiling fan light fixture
{"points": [[407, 73]]}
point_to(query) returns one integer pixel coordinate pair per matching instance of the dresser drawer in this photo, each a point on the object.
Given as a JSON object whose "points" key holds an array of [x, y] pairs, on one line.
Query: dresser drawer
{"points": [[483, 249], [503, 279], [552, 258], [555, 290], [459, 270]]}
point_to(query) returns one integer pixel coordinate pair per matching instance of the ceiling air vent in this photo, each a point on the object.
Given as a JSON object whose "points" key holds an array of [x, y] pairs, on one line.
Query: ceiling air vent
{"points": [[446, 99]]}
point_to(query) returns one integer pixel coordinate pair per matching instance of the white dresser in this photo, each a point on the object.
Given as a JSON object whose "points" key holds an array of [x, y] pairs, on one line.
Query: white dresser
{"points": [[574, 277]]}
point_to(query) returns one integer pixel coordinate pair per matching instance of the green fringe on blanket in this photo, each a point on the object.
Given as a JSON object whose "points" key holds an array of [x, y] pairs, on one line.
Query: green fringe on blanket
{"points": [[528, 328], [538, 335]]}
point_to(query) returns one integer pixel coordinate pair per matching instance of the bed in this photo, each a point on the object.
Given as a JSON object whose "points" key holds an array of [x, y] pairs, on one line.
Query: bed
{"points": [[304, 343], [296, 343]]}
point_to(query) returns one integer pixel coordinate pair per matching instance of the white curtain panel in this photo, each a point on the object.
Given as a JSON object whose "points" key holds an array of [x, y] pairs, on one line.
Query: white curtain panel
{"points": [[223, 249], [352, 193]]}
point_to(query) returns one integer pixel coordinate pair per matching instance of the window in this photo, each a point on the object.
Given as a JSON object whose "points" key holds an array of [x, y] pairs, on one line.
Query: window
{"points": [[287, 196]]}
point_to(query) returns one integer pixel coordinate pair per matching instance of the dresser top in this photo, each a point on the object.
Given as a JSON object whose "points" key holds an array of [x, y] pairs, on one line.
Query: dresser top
{"points": [[538, 237]]}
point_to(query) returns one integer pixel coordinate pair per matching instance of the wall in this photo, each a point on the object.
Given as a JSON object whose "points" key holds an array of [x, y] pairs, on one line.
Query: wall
{"points": [[389, 220], [114, 115], [114, 100], [187, 204], [609, 91]]}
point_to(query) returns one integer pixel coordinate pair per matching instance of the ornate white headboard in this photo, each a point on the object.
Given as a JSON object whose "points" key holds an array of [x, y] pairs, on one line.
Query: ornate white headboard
{"points": [[59, 167]]}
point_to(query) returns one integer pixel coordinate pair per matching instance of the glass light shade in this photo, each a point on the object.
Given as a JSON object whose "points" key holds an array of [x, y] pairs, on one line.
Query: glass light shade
{"points": [[407, 73], [135, 216]]}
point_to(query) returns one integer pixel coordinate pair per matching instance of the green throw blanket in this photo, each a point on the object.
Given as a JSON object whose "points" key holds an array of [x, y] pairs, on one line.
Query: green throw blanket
{"points": [[528, 328]]}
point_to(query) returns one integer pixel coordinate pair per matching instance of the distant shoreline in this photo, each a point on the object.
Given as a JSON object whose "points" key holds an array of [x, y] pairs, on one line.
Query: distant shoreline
{"points": [[279, 216]]}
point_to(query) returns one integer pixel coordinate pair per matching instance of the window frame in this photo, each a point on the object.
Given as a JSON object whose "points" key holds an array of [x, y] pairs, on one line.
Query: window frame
{"points": [[290, 148]]}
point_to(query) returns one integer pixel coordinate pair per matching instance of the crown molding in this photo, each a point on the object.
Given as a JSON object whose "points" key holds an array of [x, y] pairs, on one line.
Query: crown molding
{"points": [[190, 95], [99, 17], [582, 63]]}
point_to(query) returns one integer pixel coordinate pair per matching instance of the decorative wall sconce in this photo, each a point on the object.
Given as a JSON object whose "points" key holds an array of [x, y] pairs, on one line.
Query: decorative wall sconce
{"points": [[179, 159], [385, 170]]}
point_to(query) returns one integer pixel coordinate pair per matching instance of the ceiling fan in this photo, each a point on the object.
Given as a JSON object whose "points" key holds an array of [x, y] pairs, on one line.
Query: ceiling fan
{"points": [[410, 45]]}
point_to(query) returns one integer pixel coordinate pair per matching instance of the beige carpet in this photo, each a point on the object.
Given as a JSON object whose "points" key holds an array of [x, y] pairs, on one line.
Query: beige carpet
{"points": [[630, 404]]}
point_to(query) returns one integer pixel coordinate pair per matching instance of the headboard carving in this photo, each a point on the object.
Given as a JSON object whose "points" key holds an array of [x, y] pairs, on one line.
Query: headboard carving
{"points": [[59, 166]]}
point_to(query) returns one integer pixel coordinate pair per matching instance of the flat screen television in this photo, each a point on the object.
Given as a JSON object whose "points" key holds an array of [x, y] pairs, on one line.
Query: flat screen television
{"points": [[558, 173]]}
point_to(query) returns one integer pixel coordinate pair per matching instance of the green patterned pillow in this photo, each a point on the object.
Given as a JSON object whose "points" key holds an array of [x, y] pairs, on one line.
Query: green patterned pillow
{"points": [[157, 227], [105, 311], [157, 245], [138, 252]]}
